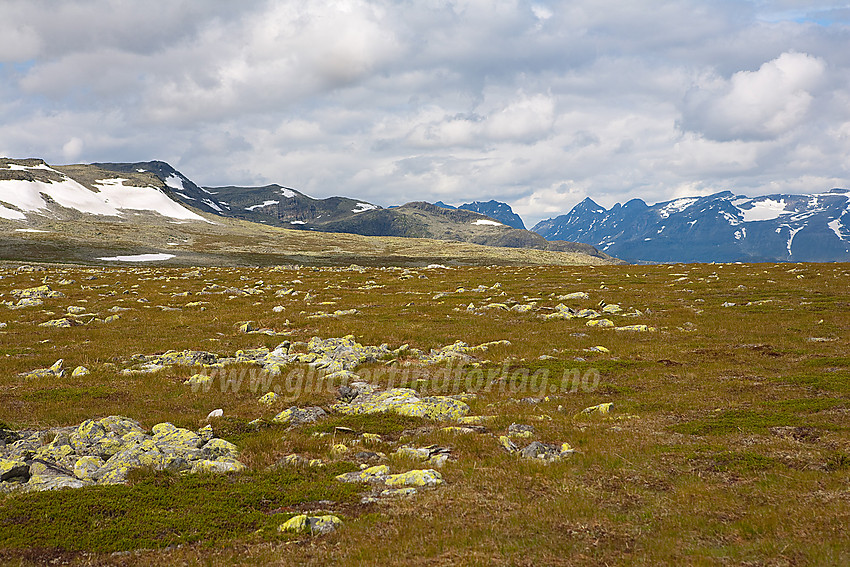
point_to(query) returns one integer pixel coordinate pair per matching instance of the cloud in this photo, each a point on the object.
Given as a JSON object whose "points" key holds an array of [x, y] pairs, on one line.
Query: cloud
{"points": [[756, 105], [535, 102]]}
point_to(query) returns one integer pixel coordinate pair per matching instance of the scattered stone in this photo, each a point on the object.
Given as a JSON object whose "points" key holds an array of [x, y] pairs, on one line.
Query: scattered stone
{"points": [[507, 444], [600, 323], [635, 328], [339, 449], [612, 308], [574, 295], [398, 492], [432, 455], [80, 371], [375, 474], [215, 413], [313, 524], [520, 430], [55, 370], [367, 456], [547, 452], [464, 429], [269, 399], [601, 409], [62, 323], [476, 419], [198, 380], [297, 416]]}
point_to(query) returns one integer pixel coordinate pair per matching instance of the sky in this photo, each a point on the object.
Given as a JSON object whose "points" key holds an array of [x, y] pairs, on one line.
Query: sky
{"points": [[535, 103]]}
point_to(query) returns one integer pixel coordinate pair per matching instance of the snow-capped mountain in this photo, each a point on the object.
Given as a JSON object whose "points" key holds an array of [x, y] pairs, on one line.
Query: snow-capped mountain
{"points": [[497, 210], [717, 228], [30, 188], [180, 186]]}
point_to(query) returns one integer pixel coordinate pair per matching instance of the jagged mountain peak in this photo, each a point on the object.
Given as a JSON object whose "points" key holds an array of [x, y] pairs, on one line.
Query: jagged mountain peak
{"points": [[496, 210], [720, 227]]}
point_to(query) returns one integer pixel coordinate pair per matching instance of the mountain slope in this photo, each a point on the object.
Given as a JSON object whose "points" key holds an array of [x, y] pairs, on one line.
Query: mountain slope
{"points": [[179, 186], [30, 188], [722, 227], [282, 206]]}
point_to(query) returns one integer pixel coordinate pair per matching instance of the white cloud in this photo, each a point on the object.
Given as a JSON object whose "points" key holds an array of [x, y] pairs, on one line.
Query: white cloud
{"points": [[761, 104], [72, 149]]}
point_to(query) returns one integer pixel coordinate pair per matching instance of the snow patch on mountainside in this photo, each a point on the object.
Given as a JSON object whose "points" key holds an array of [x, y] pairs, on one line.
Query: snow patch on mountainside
{"points": [[288, 193], [112, 196], [762, 210], [837, 227], [261, 205], [174, 182], [676, 206], [363, 207], [487, 222]]}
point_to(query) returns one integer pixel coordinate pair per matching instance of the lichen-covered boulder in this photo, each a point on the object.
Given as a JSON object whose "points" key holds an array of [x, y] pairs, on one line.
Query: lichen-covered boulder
{"points": [[600, 323], [62, 323], [635, 328], [168, 434], [11, 468], [397, 492], [54, 370], [298, 416], [371, 475], [426, 477], [105, 437], [80, 371], [42, 482], [269, 399], [57, 449], [313, 524], [574, 295], [601, 409], [87, 466], [216, 449], [404, 401], [198, 380], [546, 452], [223, 465], [42, 291], [206, 433]]}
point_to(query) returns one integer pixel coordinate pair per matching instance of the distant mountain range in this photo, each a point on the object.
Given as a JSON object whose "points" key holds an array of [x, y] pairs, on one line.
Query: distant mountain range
{"points": [[37, 195], [497, 210], [275, 205], [723, 227], [149, 212]]}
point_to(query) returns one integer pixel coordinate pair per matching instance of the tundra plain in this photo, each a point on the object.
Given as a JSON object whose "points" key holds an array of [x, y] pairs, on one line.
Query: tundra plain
{"points": [[728, 441]]}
